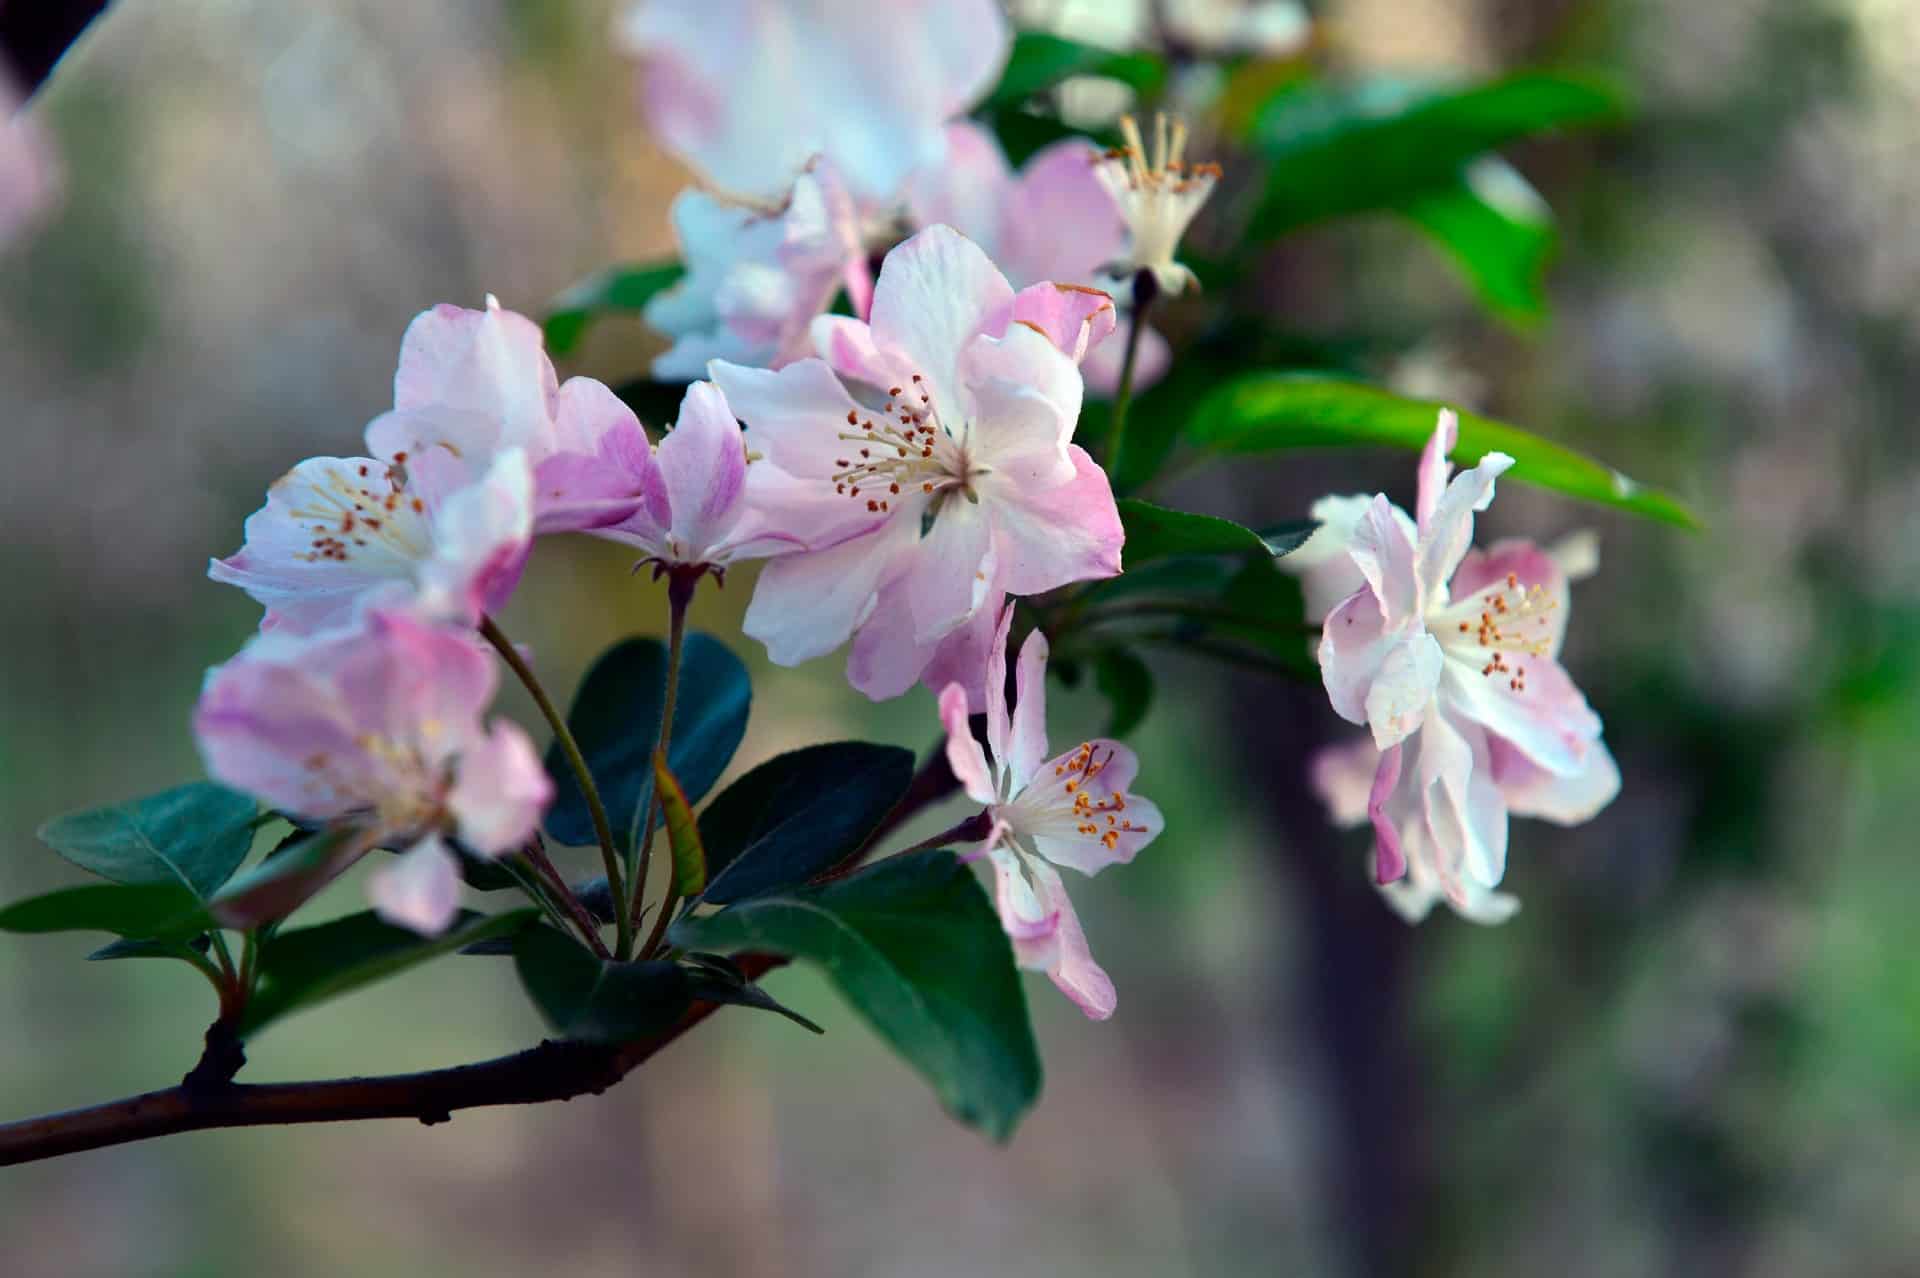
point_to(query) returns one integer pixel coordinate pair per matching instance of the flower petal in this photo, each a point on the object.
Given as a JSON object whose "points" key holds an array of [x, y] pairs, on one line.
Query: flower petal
{"points": [[1051, 536], [491, 363], [499, 791], [807, 605], [964, 756], [1387, 561], [1342, 775], [1073, 969], [1103, 363], [1532, 791], [1543, 716], [950, 572], [703, 462], [793, 416], [1028, 744], [1389, 857], [1526, 566], [1444, 538], [1402, 688], [419, 889], [482, 536], [935, 294], [969, 191], [1464, 813], [1324, 565], [1434, 466], [1079, 810]]}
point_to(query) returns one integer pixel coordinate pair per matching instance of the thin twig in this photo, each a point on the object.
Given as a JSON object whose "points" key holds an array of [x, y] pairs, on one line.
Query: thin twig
{"points": [[557, 888], [680, 584], [1145, 289]]}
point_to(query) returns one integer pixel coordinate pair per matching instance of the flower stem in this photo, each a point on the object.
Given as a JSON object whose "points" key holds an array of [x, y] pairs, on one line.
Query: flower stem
{"points": [[1145, 289], [602, 830], [680, 583], [560, 897]]}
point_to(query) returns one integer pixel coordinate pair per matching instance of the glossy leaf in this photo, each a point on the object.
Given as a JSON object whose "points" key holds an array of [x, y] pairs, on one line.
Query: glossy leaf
{"points": [[683, 836], [145, 911], [799, 814], [1154, 532], [1333, 149], [1270, 412], [616, 718], [914, 945], [1498, 230], [305, 966], [193, 835], [1040, 60], [592, 1000], [714, 982], [279, 885], [1127, 684], [617, 288]]}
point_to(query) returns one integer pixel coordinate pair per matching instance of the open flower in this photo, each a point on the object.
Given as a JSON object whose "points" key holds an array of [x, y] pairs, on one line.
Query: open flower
{"points": [[1054, 220], [944, 427], [339, 534], [748, 92], [1073, 810], [705, 506], [1449, 657], [378, 726], [1158, 195], [757, 276]]}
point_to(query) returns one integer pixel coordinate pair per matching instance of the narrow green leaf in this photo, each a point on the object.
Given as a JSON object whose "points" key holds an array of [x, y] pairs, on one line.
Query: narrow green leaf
{"points": [[194, 835], [1333, 149], [123, 949], [1499, 231], [799, 814], [714, 985], [915, 946], [683, 836], [1040, 60], [1154, 532], [617, 288], [283, 882], [1269, 412], [1127, 684], [616, 718], [310, 965], [594, 1001], [146, 911]]}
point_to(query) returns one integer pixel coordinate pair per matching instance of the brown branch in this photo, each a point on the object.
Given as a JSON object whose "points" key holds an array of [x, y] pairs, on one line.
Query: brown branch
{"points": [[553, 1071]]}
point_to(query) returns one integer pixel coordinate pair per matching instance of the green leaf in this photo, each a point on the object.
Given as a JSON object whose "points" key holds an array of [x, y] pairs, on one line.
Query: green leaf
{"points": [[1269, 412], [591, 1000], [279, 885], [1040, 60], [185, 951], [1154, 532], [799, 814], [617, 288], [616, 719], [914, 945], [1499, 231], [193, 835], [715, 980], [683, 836], [1335, 149], [310, 965], [1127, 684], [145, 911]]}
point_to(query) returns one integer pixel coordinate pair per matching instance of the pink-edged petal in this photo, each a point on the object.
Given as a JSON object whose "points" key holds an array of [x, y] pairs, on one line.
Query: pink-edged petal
{"points": [[491, 363], [964, 756], [1444, 538], [1027, 747], [1389, 857], [1074, 318], [1049, 537], [704, 465], [601, 465], [888, 656], [280, 733], [793, 416], [1532, 791], [1073, 969], [1080, 812], [807, 605], [1342, 775], [1103, 363], [499, 791], [999, 719], [962, 657], [1030, 921], [1434, 466], [1402, 688], [1060, 223], [1326, 570], [482, 536], [936, 293], [1465, 816], [419, 889], [404, 679], [1023, 399], [1526, 566], [1387, 562], [1353, 642], [968, 192], [1543, 715]]}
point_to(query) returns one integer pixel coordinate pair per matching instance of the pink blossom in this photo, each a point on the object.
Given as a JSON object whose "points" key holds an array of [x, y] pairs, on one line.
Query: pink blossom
{"points": [[29, 170], [1073, 810], [1449, 656], [378, 726], [945, 426], [748, 92]]}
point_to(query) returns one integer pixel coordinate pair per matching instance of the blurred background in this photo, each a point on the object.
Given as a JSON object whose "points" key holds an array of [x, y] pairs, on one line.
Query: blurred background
{"points": [[1696, 1050]]}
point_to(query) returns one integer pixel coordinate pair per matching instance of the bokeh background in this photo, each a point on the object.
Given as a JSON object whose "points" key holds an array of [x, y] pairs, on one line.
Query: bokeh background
{"points": [[1696, 1050]]}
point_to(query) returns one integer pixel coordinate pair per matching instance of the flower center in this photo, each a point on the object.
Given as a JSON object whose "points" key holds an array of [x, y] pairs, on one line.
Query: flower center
{"points": [[352, 507], [903, 448], [1158, 193], [1513, 621], [1095, 818]]}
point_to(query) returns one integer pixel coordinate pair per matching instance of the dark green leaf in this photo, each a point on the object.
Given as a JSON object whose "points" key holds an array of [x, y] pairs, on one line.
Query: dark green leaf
{"points": [[916, 948], [310, 965], [1154, 532], [617, 288], [798, 814], [284, 881], [194, 835], [683, 836], [716, 986], [1156, 418], [1335, 149], [1268, 412], [1499, 231], [616, 718], [182, 950], [146, 911], [1127, 684], [594, 1001], [1040, 60]]}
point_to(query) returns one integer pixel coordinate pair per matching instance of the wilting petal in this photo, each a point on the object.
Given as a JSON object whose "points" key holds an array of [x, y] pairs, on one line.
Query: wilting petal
{"points": [[1434, 466], [420, 889], [1464, 814], [964, 756], [1390, 858], [1387, 561], [1445, 537], [500, 791], [1326, 570], [1052, 536]]}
